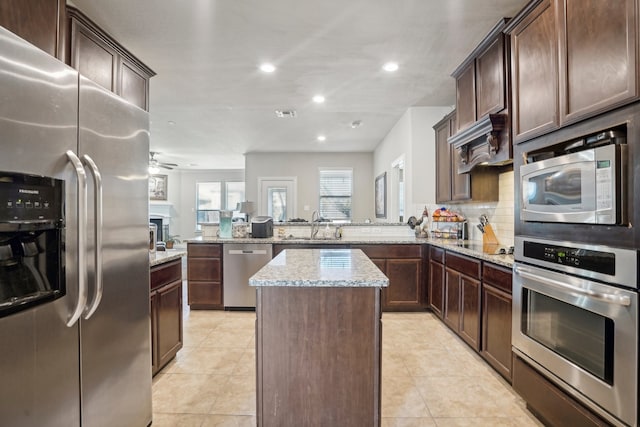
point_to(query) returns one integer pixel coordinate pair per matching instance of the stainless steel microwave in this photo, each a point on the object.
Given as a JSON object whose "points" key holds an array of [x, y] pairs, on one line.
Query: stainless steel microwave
{"points": [[588, 187]]}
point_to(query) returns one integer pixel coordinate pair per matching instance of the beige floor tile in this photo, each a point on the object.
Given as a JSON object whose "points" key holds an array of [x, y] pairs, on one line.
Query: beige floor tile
{"points": [[192, 337], [401, 398], [408, 422], [229, 421], [246, 365], [239, 321], [228, 338], [238, 398], [487, 422], [178, 420], [205, 360], [467, 396], [187, 393]]}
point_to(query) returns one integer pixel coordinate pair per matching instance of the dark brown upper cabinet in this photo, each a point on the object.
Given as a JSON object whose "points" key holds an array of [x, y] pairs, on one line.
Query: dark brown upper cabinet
{"points": [[97, 56], [482, 135], [40, 22], [571, 60]]}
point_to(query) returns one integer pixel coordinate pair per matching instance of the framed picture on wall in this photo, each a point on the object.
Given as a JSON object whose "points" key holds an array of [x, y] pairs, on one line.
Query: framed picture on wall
{"points": [[158, 187], [381, 195]]}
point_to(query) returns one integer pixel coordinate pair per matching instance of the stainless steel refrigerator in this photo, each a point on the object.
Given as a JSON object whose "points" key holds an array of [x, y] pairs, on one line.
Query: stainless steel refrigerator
{"points": [[92, 369]]}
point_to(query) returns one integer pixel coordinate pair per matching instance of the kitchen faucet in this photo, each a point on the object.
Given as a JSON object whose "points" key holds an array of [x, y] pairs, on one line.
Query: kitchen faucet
{"points": [[315, 224]]}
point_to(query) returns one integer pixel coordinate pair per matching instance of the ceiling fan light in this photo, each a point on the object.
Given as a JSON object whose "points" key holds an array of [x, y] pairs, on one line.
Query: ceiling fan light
{"points": [[153, 169]]}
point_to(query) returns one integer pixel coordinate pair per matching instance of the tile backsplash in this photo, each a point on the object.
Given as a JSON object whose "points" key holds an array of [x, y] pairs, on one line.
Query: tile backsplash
{"points": [[500, 214]]}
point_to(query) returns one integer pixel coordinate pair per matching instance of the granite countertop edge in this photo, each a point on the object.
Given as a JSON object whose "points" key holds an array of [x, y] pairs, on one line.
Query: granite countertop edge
{"points": [[161, 257], [451, 245]]}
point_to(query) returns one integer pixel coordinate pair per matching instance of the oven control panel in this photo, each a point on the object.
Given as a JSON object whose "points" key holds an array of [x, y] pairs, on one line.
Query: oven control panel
{"points": [[584, 259]]}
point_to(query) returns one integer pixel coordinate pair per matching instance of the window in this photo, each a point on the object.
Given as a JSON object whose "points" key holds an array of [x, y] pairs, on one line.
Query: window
{"points": [[210, 197], [336, 186]]}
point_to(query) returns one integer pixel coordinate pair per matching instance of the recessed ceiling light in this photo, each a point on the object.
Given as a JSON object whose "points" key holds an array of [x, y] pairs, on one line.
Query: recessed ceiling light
{"points": [[390, 66], [318, 99], [171, 122], [267, 68], [321, 138]]}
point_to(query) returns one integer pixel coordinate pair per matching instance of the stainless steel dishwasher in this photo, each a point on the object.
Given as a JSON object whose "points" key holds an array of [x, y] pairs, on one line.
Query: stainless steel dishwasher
{"points": [[241, 261]]}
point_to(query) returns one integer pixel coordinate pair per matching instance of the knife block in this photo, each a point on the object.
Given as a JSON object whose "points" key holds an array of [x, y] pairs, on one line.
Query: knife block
{"points": [[489, 237]]}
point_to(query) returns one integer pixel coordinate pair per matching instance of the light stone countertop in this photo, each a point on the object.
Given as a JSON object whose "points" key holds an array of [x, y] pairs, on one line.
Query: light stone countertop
{"points": [[320, 268], [161, 257]]}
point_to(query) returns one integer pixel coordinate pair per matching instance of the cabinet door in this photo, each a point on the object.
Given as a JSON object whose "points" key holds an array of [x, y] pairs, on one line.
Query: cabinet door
{"points": [[470, 311], [133, 85], [39, 22], [154, 332], [466, 97], [405, 285], [92, 57], [169, 322], [534, 73], [490, 73], [443, 161], [460, 182], [496, 329], [598, 56], [452, 299], [436, 287]]}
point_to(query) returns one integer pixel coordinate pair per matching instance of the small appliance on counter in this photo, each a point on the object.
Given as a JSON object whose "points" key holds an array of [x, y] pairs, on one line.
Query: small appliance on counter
{"points": [[262, 226]]}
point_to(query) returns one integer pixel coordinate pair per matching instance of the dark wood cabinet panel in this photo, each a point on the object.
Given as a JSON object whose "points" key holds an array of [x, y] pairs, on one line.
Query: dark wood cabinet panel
{"points": [[436, 254], [549, 403], [444, 162], [465, 97], [204, 274], [390, 251], [460, 182], [40, 22], [169, 322], [134, 85], [99, 57], [166, 312], [463, 264], [451, 315], [405, 284], [318, 356], [534, 73], [436, 287], [598, 49], [470, 311], [490, 79]]}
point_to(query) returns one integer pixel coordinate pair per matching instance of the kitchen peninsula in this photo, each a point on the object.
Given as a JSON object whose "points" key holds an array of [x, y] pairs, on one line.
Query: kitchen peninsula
{"points": [[318, 338]]}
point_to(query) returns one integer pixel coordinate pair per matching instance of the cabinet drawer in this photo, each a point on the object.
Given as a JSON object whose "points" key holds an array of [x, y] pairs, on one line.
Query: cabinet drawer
{"points": [[205, 295], [204, 250], [436, 254], [463, 264], [499, 277], [204, 269], [390, 251], [166, 273]]}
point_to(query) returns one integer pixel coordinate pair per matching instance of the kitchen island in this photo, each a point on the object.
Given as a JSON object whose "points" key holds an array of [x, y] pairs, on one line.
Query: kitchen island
{"points": [[318, 338]]}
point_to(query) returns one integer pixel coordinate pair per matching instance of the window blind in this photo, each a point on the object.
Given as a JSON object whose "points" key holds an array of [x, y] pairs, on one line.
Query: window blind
{"points": [[336, 186]]}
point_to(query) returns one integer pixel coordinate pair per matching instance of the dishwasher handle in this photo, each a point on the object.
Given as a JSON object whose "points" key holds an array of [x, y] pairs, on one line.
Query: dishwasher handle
{"points": [[247, 252]]}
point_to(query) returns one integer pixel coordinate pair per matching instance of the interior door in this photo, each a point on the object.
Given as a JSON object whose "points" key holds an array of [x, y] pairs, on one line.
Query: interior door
{"points": [[278, 198]]}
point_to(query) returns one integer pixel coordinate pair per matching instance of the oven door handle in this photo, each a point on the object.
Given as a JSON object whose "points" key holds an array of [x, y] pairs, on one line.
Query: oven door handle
{"points": [[97, 198], [601, 296], [82, 237]]}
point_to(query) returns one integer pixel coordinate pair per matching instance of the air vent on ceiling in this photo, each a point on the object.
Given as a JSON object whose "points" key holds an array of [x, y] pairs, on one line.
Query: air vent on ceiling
{"points": [[286, 114]]}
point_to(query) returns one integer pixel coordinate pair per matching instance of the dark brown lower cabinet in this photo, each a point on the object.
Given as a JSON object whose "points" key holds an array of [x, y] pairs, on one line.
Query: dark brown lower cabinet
{"points": [[462, 297], [204, 275], [548, 402], [496, 318], [403, 265], [318, 353], [166, 313]]}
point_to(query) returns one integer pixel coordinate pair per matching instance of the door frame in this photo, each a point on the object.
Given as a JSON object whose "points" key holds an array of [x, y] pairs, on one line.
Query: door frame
{"points": [[263, 181]]}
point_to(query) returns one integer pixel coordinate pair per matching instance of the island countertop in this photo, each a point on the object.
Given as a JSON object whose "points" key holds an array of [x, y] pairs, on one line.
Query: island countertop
{"points": [[320, 268], [160, 257]]}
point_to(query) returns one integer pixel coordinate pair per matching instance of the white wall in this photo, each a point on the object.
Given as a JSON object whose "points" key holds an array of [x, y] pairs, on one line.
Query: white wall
{"points": [[181, 195], [414, 138], [305, 166]]}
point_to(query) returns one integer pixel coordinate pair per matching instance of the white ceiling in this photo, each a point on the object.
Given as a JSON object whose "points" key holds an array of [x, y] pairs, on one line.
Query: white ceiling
{"points": [[210, 104]]}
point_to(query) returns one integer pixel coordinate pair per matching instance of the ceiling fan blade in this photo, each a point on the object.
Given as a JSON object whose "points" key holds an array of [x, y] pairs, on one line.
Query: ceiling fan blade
{"points": [[169, 164], [162, 165]]}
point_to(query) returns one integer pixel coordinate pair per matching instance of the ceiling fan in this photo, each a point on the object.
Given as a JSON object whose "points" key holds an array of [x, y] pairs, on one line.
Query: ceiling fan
{"points": [[155, 165]]}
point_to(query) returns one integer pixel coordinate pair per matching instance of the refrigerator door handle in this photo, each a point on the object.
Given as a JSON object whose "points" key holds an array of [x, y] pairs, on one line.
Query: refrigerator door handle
{"points": [[82, 237], [97, 180]]}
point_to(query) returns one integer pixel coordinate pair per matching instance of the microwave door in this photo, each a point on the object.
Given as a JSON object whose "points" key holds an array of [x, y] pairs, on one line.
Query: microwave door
{"points": [[559, 193]]}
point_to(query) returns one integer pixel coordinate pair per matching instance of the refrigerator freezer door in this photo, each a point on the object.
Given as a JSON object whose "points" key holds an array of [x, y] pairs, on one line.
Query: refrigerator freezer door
{"points": [[39, 356], [115, 340]]}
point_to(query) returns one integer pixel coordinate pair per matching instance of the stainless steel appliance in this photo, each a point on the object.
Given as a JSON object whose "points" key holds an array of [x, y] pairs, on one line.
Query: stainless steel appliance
{"points": [[240, 262], [587, 186], [575, 319], [262, 226], [80, 357]]}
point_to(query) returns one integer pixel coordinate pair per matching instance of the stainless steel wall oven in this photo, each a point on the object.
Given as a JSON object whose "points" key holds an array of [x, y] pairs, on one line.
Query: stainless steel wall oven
{"points": [[575, 319]]}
